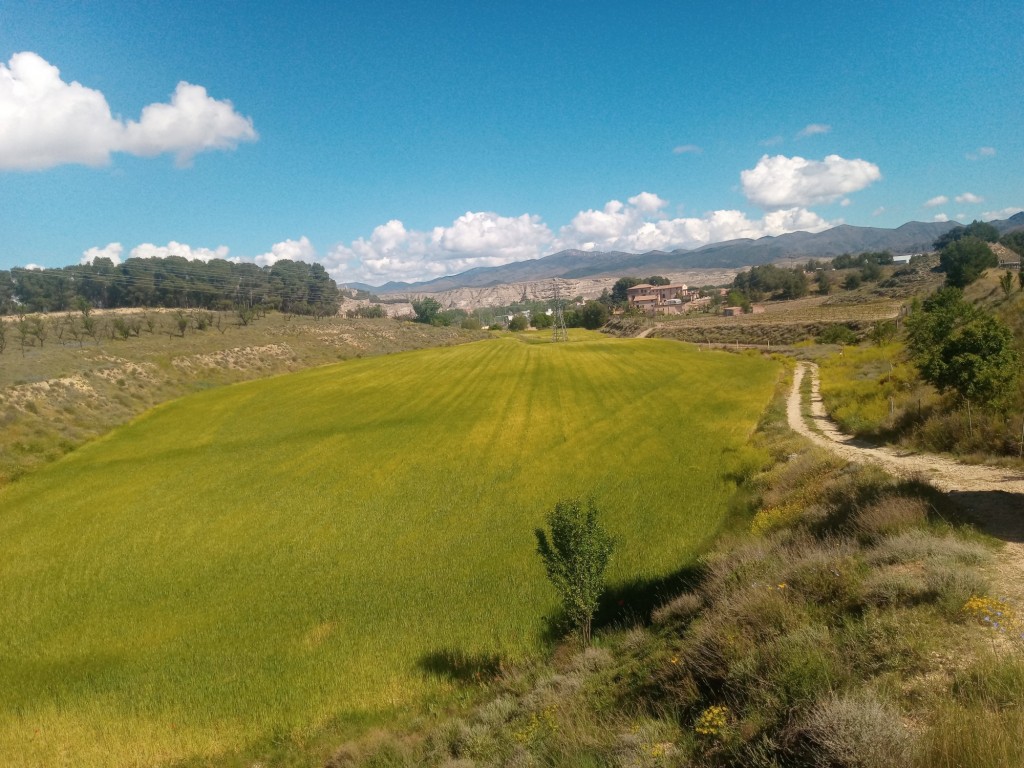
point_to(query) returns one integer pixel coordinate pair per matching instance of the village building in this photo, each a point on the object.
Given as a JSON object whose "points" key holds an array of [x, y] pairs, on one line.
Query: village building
{"points": [[669, 299]]}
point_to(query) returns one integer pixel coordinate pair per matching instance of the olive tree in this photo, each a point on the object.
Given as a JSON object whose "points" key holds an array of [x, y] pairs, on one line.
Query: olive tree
{"points": [[576, 556]]}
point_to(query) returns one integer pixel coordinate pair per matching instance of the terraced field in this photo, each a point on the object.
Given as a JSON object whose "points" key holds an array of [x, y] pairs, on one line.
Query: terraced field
{"points": [[252, 562]]}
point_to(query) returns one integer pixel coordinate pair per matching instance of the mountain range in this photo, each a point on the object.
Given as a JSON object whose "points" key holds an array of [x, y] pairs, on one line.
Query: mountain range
{"points": [[912, 237]]}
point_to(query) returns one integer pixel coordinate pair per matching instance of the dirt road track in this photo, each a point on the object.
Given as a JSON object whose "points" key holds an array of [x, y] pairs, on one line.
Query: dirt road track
{"points": [[991, 495]]}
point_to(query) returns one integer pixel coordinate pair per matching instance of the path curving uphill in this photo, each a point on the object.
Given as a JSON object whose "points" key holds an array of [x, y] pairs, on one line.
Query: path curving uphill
{"points": [[994, 496]]}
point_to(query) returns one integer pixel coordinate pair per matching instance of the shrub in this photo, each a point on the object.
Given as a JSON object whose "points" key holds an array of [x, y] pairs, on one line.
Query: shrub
{"points": [[738, 625], [838, 333], [855, 731], [898, 640], [952, 586], [994, 681], [889, 515], [895, 586], [826, 575], [774, 518], [916, 546], [679, 610]]}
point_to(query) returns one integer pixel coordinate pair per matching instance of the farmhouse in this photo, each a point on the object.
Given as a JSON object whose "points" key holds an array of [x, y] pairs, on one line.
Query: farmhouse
{"points": [[670, 299]]}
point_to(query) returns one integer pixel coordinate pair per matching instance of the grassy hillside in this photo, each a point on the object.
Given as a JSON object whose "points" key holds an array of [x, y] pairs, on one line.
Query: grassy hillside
{"points": [[56, 395], [253, 562]]}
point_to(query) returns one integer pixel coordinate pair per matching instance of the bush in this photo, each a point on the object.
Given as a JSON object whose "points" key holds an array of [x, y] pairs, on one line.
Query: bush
{"points": [[916, 546], [951, 586], [837, 334], [855, 731], [679, 610], [826, 575], [965, 259], [889, 515], [895, 586]]}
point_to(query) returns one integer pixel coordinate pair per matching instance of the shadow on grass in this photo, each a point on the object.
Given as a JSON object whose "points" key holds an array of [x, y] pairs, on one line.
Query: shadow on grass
{"points": [[460, 666], [632, 603], [629, 604]]}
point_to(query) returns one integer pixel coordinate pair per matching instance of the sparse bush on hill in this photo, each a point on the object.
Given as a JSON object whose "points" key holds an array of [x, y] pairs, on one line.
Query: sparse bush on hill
{"points": [[965, 259], [1014, 241], [768, 280], [368, 311], [837, 334]]}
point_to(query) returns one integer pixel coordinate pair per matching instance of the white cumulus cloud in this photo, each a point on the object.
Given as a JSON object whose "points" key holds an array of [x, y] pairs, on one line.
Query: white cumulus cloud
{"points": [[940, 217], [968, 197], [490, 236], [936, 201], [110, 251], [641, 226], [150, 251], [192, 123], [393, 252], [475, 239], [292, 250], [46, 122], [790, 182]]}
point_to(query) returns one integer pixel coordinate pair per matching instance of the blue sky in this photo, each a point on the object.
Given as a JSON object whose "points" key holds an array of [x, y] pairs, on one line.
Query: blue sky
{"points": [[410, 140]]}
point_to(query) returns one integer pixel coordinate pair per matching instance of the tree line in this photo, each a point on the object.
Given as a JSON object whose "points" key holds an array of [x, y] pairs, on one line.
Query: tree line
{"points": [[175, 282]]}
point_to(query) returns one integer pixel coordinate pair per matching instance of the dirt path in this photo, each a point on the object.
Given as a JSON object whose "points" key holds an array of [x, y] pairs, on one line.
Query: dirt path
{"points": [[991, 495]]}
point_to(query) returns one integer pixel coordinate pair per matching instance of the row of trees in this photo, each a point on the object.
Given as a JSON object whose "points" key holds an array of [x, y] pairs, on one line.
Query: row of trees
{"points": [[290, 286], [592, 315], [84, 326], [770, 281]]}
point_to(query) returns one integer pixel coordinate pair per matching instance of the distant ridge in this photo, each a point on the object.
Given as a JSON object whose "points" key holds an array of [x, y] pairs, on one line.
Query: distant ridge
{"points": [[912, 237]]}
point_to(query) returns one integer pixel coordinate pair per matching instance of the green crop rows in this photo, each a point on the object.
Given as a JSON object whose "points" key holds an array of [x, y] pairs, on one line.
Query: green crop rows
{"points": [[256, 560]]}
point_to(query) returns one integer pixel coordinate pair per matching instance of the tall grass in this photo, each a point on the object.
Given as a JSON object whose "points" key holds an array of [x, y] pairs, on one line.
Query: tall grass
{"points": [[250, 563]]}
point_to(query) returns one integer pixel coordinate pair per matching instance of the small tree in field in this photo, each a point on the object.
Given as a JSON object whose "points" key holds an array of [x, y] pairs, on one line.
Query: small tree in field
{"points": [[576, 556]]}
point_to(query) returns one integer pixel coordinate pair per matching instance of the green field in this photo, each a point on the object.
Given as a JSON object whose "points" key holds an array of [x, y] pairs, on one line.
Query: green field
{"points": [[255, 561]]}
